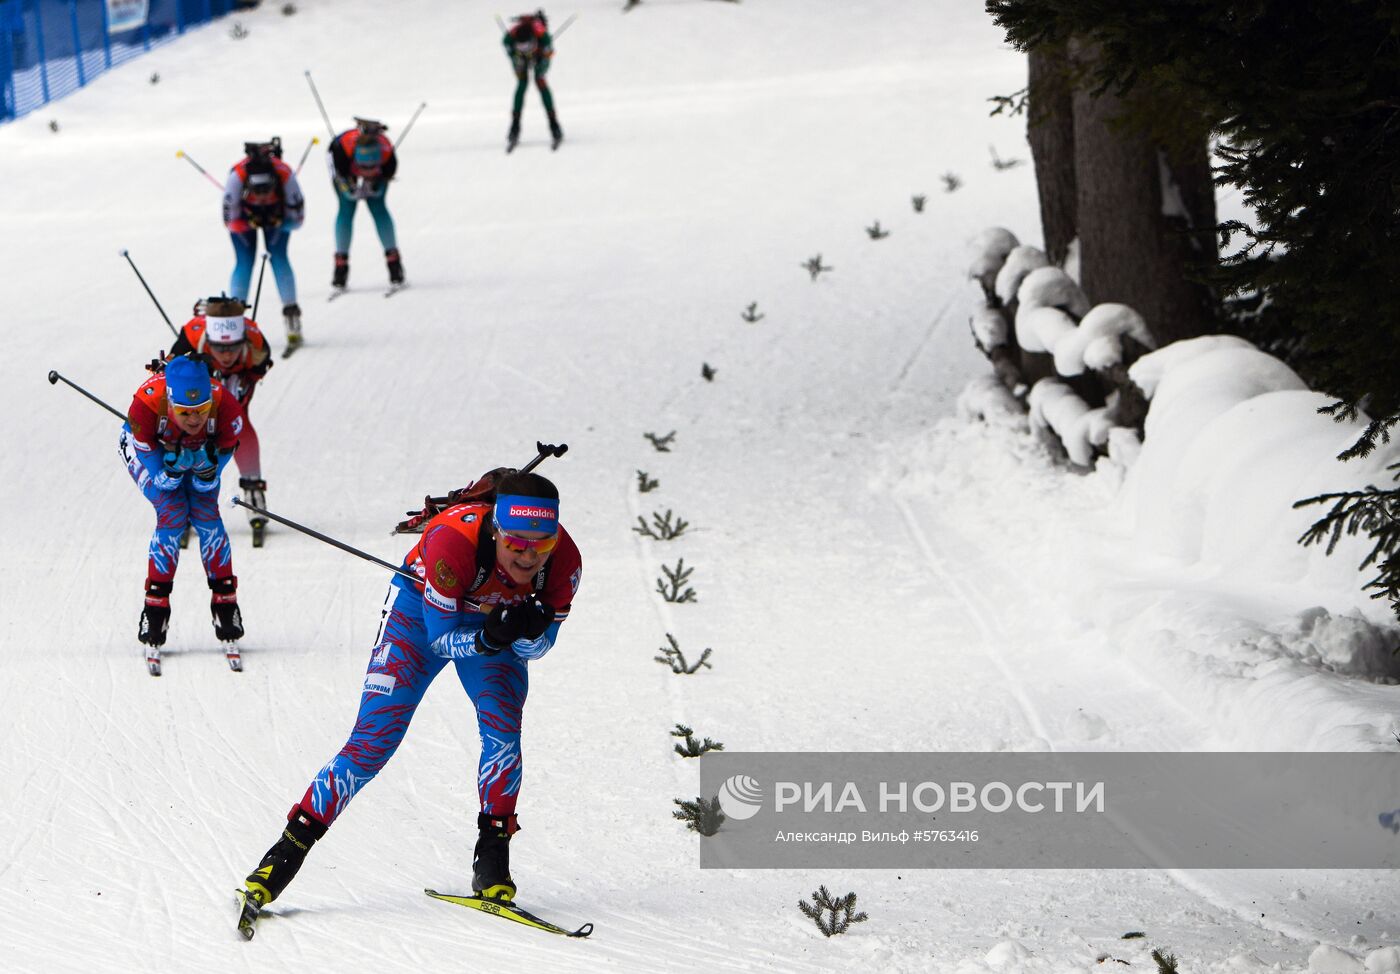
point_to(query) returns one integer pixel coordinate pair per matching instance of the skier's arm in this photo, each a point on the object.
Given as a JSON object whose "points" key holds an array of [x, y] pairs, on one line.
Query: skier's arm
{"points": [[391, 166], [294, 206], [182, 346], [558, 598], [453, 630], [141, 421], [338, 162], [233, 203]]}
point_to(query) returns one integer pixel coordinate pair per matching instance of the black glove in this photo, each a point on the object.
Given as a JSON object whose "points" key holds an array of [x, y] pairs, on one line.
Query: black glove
{"points": [[536, 617], [506, 624], [502, 628]]}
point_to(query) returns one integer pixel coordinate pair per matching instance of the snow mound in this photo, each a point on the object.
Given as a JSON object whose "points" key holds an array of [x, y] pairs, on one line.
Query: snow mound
{"points": [[1019, 262], [1050, 287], [987, 252], [989, 328], [1097, 343], [1333, 960], [1040, 329], [1055, 406], [1147, 371], [986, 400]]}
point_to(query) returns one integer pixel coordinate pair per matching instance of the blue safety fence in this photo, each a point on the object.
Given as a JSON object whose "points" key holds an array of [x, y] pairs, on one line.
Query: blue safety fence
{"points": [[51, 48]]}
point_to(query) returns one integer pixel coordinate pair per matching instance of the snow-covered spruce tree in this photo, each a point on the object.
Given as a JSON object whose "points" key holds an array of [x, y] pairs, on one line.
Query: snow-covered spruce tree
{"points": [[1127, 173], [1302, 99]]}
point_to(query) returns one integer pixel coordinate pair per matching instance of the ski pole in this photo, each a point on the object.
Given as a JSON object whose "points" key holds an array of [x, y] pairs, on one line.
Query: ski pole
{"points": [[240, 502], [404, 134], [257, 295], [329, 128], [313, 141], [181, 154], [173, 330], [55, 378], [501, 24], [565, 26]]}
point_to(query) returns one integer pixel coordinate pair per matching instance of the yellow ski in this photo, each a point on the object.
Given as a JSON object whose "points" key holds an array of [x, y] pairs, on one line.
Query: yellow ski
{"points": [[509, 911]]}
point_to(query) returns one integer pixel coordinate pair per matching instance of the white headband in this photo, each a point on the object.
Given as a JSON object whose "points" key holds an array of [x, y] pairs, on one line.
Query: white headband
{"points": [[224, 330]]}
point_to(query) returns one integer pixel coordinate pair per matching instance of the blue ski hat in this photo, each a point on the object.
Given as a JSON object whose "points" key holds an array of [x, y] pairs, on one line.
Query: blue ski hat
{"points": [[187, 382]]}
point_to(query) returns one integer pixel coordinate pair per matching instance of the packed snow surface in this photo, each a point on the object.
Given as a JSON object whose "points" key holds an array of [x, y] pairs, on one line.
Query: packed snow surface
{"points": [[875, 570]]}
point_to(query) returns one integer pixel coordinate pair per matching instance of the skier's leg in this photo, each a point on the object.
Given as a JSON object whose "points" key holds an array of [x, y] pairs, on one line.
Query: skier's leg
{"points": [[522, 81], [214, 548], [245, 245], [277, 240], [344, 222], [383, 222], [400, 670], [547, 97], [172, 515], [248, 455], [497, 686]]}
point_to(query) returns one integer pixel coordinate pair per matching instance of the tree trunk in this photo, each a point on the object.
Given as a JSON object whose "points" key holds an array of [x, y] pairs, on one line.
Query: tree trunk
{"points": [[1145, 214], [1050, 129]]}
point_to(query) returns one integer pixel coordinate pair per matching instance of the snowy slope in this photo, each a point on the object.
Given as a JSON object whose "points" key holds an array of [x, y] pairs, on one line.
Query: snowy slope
{"points": [[855, 566]]}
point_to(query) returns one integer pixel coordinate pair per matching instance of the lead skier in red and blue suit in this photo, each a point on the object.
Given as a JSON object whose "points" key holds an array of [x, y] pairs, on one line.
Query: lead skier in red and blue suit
{"points": [[180, 432], [517, 563]]}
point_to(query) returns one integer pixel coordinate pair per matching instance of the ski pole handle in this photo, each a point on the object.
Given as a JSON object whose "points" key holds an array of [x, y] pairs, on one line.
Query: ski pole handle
{"points": [[55, 378], [313, 141], [181, 154], [546, 450]]}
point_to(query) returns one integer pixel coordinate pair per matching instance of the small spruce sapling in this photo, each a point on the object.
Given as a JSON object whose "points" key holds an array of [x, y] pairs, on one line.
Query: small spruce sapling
{"points": [[288, 9], [238, 31], [918, 202], [1166, 963], [832, 916], [876, 231], [661, 528], [1000, 164], [662, 443], [701, 815], [952, 182], [693, 748], [707, 372], [155, 77], [751, 314], [645, 484], [814, 266], [53, 125], [675, 659], [676, 577]]}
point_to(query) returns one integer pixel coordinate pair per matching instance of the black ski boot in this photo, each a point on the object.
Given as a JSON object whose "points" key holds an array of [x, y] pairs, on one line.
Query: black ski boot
{"points": [[491, 860], [155, 616], [513, 136], [155, 619], [395, 264], [279, 864], [342, 271], [228, 622], [255, 493], [556, 134], [291, 315]]}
